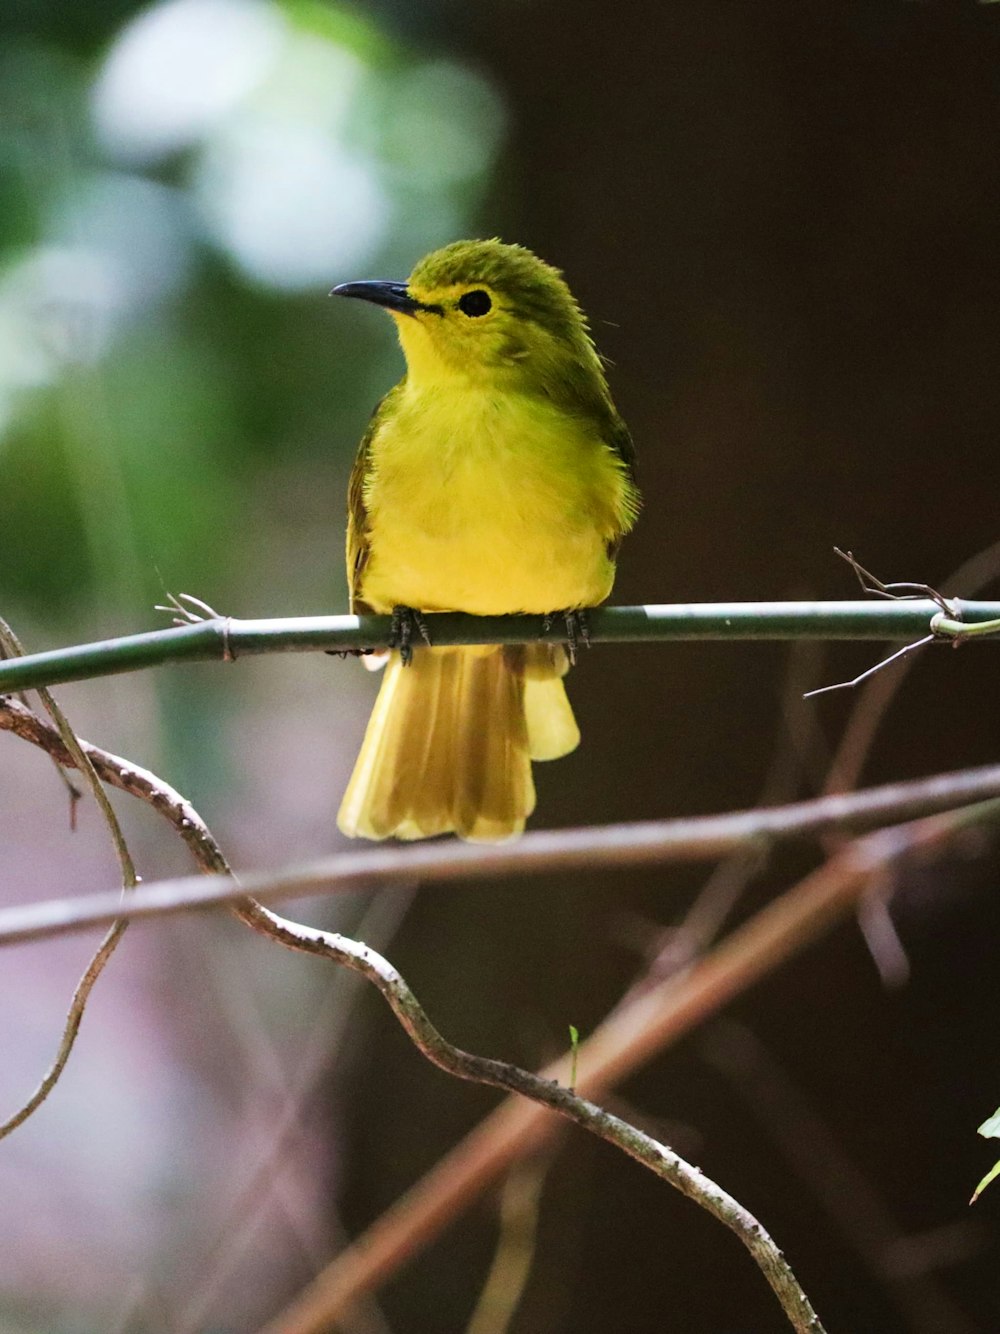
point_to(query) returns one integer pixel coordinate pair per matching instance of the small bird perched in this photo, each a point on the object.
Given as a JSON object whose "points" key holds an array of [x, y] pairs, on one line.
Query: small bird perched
{"points": [[496, 477]]}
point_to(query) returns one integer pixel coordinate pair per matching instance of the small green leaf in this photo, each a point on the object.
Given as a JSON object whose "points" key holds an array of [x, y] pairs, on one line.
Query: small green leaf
{"points": [[990, 1175], [990, 1129], [574, 1046]]}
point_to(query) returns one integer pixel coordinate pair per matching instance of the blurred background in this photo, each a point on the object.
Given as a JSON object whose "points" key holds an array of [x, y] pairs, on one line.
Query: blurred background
{"points": [[782, 221]]}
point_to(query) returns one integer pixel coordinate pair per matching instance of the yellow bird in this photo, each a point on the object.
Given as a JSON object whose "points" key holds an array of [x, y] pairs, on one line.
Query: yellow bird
{"points": [[496, 477]]}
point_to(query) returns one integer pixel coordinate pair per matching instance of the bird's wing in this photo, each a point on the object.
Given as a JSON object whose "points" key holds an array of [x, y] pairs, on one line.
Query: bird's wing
{"points": [[358, 537], [621, 442], [617, 437]]}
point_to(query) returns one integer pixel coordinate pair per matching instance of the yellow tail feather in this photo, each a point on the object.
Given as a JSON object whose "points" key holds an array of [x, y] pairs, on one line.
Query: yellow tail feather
{"points": [[450, 742]]}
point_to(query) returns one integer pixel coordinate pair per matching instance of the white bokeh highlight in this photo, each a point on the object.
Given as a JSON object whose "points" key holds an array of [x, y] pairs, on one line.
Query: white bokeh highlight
{"points": [[178, 69], [290, 205]]}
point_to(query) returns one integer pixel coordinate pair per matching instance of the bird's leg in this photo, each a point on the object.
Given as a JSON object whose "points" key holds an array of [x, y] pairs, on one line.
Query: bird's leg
{"points": [[577, 629], [404, 621]]}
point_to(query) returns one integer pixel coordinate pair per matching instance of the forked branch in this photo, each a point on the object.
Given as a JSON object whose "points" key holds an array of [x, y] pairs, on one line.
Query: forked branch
{"points": [[476, 1069], [948, 623]]}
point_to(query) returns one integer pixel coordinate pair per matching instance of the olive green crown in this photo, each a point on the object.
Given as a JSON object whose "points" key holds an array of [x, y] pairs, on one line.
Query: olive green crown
{"points": [[533, 289]]}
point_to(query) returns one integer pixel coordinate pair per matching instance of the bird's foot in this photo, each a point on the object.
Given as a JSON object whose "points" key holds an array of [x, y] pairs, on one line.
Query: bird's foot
{"points": [[577, 629], [404, 621]]}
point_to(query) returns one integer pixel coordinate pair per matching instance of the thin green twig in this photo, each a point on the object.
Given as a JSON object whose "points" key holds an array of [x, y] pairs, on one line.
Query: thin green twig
{"points": [[946, 627], [226, 638]]}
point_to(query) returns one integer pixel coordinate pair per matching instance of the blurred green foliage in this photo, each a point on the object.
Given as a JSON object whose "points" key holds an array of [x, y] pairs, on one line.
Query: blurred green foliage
{"points": [[180, 185]]}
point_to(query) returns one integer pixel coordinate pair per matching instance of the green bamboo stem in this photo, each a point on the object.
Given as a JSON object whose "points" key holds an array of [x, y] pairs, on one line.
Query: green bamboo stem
{"points": [[228, 638]]}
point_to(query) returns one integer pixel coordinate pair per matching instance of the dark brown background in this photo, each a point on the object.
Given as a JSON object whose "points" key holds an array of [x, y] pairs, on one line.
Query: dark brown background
{"points": [[782, 219]]}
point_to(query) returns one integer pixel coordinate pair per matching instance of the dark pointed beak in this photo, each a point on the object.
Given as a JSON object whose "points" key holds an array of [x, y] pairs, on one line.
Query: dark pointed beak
{"points": [[394, 296]]}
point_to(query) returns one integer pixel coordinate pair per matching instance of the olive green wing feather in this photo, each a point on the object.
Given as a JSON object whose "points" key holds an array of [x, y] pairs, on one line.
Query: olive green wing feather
{"points": [[621, 442], [358, 535], [616, 436]]}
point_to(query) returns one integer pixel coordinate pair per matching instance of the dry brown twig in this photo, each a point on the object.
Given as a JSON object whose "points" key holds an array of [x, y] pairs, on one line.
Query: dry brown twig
{"points": [[894, 592], [845, 769], [416, 1217], [629, 1037], [544, 1093], [947, 610], [331, 1023], [850, 757], [653, 842], [679, 945], [653, 1021], [946, 626], [801, 756], [76, 757], [218, 863], [931, 1307]]}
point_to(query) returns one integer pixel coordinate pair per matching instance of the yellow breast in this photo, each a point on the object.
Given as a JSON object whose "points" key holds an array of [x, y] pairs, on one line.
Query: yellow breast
{"points": [[489, 503]]}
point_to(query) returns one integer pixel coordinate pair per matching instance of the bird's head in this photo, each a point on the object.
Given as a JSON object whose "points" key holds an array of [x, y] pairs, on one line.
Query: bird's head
{"points": [[490, 313]]}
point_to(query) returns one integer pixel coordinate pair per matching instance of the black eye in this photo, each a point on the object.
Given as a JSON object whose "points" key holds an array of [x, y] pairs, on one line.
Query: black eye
{"points": [[475, 303]]}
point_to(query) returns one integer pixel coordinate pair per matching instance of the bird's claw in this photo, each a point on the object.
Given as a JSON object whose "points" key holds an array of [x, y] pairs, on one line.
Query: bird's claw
{"points": [[577, 629], [404, 621]]}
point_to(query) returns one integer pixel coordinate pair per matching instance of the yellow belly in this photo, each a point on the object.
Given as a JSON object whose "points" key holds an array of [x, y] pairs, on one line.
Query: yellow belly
{"points": [[489, 505]]}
